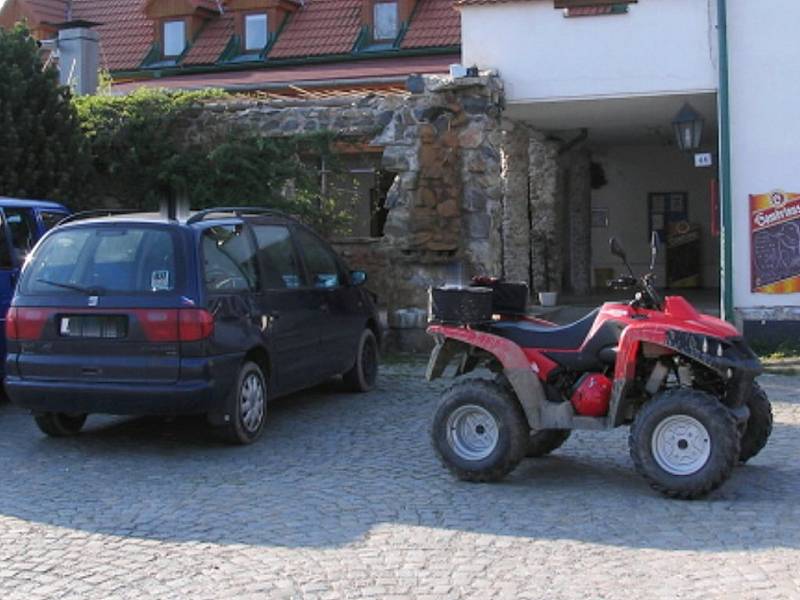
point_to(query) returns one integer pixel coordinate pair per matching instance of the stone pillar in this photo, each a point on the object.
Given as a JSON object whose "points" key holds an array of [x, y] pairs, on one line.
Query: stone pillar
{"points": [[546, 248], [516, 208], [579, 201]]}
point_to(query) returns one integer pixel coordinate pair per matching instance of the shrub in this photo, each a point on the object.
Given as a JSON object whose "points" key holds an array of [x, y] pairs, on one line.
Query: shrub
{"points": [[141, 155], [42, 153]]}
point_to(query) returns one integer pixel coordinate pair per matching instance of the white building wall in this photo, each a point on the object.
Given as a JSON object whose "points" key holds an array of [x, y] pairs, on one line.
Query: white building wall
{"points": [[634, 171], [659, 47], [764, 49]]}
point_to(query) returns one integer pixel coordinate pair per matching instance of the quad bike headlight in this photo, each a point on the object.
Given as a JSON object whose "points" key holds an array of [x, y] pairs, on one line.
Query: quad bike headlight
{"points": [[705, 345]]}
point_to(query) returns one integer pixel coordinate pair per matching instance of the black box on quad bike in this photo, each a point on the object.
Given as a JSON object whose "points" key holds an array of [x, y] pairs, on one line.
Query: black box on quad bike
{"points": [[507, 297], [456, 305]]}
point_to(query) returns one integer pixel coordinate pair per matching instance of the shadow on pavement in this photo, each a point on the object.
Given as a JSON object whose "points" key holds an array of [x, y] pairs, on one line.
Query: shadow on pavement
{"points": [[332, 466]]}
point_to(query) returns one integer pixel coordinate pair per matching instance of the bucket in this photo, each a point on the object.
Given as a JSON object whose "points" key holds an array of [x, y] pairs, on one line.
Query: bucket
{"points": [[548, 298]]}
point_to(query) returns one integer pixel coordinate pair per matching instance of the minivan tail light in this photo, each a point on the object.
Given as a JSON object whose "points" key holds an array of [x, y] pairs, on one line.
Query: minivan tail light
{"points": [[25, 324], [159, 325], [176, 325], [195, 324]]}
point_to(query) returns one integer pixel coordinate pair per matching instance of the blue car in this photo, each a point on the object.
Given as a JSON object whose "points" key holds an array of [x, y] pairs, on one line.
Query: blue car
{"points": [[216, 314], [23, 222]]}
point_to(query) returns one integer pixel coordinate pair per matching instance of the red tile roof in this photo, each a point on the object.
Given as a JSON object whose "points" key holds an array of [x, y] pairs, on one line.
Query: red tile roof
{"points": [[126, 34], [48, 11], [320, 27], [435, 23], [212, 40]]}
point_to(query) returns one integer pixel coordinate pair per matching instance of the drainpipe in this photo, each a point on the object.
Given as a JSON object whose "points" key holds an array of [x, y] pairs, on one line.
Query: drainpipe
{"points": [[726, 201]]}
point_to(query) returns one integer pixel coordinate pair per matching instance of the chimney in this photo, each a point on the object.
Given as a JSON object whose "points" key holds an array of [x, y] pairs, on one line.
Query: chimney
{"points": [[79, 56]]}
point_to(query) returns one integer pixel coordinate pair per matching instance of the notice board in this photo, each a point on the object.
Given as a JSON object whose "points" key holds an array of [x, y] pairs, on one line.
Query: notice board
{"points": [[775, 242]]}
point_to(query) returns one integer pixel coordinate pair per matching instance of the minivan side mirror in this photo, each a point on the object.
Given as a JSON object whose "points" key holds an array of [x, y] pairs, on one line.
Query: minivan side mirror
{"points": [[358, 277]]}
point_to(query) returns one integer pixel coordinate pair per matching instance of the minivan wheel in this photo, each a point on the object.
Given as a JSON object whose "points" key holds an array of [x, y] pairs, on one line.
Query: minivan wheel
{"points": [[60, 424], [246, 407], [362, 377]]}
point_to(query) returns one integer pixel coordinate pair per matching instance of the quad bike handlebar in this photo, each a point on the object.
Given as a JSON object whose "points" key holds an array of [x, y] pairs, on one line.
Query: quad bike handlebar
{"points": [[646, 294]]}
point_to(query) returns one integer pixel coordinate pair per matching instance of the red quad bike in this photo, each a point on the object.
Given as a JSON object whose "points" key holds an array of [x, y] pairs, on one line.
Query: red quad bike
{"points": [[684, 382]]}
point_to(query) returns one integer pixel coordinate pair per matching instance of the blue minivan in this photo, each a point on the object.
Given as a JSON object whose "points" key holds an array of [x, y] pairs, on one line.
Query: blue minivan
{"points": [[22, 223]]}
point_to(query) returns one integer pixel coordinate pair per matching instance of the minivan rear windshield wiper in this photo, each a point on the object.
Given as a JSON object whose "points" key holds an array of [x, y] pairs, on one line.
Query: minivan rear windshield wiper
{"points": [[89, 291]]}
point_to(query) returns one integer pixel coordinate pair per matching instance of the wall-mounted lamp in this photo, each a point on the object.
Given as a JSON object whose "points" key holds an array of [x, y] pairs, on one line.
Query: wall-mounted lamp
{"points": [[688, 126]]}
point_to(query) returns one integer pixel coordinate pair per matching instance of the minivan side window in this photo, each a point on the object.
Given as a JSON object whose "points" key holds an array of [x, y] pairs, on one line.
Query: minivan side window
{"points": [[320, 262], [277, 256], [23, 231], [228, 259]]}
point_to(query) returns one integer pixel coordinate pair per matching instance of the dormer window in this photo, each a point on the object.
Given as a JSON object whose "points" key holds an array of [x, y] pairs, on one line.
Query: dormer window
{"points": [[386, 21], [174, 33], [256, 32]]}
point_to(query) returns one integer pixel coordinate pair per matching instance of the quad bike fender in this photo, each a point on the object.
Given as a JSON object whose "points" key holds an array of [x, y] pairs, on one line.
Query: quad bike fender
{"points": [[455, 341], [672, 341]]}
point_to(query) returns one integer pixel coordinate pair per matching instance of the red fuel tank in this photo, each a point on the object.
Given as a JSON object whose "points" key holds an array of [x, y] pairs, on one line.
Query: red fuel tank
{"points": [[591, 395]]}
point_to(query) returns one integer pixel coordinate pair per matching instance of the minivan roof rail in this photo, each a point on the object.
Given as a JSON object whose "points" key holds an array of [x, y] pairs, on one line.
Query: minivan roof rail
{"points": [[98, 212], [236, 211]]}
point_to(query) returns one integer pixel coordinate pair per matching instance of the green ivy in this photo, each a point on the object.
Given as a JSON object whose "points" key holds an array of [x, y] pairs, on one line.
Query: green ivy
{"points": [[142, 153]]}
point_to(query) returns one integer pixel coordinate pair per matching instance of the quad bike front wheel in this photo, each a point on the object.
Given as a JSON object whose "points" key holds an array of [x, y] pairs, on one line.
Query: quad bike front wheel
{"points": [[759, 424], [479, 431], [684, 442]]}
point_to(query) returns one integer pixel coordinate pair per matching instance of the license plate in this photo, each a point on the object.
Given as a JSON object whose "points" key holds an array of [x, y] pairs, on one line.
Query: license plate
{"points": [[93, 326]]}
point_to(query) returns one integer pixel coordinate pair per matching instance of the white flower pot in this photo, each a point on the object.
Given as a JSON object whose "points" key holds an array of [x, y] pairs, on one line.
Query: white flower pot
{"points": [[548, 298]]}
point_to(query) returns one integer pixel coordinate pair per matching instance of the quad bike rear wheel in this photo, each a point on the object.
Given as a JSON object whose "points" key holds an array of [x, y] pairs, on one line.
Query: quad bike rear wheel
{"points": [[479, 431], [759, 425], [543, 442], [684, 442]]}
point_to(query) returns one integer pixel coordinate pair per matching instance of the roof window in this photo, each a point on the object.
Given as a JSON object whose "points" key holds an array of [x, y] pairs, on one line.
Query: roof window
{"points": [[386, 21], [174, 38], [256, 32]]}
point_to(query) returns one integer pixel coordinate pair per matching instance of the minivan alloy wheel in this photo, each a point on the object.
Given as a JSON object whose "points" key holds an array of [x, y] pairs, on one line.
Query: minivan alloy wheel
{"points": [[252, 399]]}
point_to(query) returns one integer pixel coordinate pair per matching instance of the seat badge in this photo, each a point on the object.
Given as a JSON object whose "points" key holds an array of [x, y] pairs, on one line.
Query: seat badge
{"points": [[93, 300]]}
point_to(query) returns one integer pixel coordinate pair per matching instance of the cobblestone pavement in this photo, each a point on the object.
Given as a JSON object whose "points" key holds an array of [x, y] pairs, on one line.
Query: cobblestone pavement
{"points": [[343, 498]]}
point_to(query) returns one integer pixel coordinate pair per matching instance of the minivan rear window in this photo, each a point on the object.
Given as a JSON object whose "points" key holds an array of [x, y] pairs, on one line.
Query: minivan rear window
{"points": [[98, 260]]}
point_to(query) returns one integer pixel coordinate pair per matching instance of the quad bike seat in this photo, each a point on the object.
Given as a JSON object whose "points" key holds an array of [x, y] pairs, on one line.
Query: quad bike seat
{"points": [[530, 335]]}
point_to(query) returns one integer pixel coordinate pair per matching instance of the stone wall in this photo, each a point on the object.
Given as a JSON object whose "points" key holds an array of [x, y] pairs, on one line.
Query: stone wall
{"points": [[444, 143]]}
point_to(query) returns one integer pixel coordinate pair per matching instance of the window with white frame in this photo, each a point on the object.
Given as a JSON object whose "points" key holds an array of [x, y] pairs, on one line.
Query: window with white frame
{"points": [[386, 22], [255, 32], [174, 37]]}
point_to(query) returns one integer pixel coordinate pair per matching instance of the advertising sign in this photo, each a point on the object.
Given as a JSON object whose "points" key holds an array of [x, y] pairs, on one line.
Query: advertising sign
{"points": [[775, 249]]}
